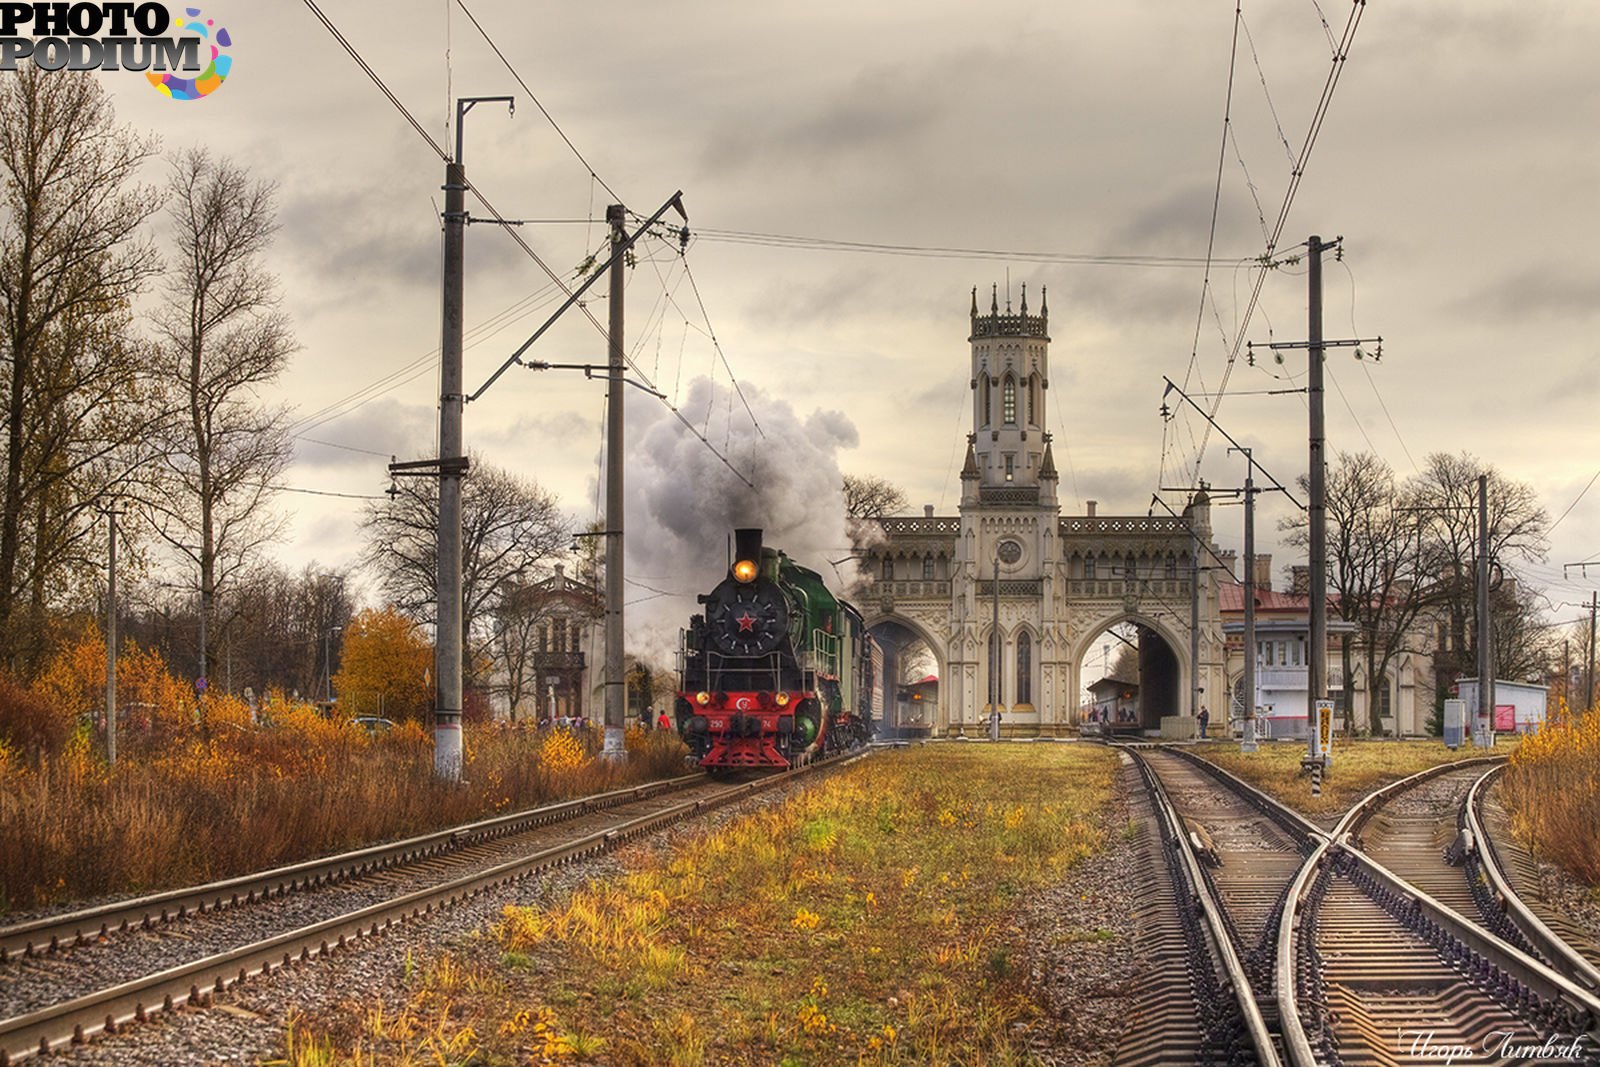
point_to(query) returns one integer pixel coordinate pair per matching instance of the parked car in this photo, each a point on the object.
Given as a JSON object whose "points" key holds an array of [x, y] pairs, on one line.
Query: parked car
{"points": [[371, 724]]}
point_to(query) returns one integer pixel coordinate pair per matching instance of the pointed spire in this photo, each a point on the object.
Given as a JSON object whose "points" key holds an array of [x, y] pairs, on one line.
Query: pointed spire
{"points": [[969, 469], [994, 300], [974, 301], [1044, 303], [1047, 467], [1024, 298]]}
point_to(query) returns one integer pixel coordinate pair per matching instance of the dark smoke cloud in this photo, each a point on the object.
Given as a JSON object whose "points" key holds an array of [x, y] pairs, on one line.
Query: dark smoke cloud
{"points": [[683, 501]]}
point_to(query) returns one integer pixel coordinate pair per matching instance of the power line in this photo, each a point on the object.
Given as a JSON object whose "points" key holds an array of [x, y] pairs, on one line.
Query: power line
{"points": [[1297, 172], [1574, 504], [828, 244], [548, 117], [362, 63]]}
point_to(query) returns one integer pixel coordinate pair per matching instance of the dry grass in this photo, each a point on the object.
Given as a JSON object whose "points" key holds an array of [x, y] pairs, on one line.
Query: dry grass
{"points": [[1357, 769], [203, 792], [867, 920], [1552, 789]]}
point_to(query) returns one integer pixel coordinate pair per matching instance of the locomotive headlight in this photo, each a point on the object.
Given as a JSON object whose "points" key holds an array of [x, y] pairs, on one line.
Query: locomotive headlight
{"points": [[745, 570], [782, 699], [702, 699]]}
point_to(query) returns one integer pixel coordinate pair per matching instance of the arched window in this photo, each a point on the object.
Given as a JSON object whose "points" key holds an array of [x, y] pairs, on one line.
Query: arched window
{"points": [[1172, 567], [927, 568], [986, 414], [888, 569], [1033, 401], [1088, 569], [1008, 401], [1024, 668]]}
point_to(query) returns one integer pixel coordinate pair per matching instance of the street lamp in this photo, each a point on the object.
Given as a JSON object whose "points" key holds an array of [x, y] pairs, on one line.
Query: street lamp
{"points": [[994, 657]]}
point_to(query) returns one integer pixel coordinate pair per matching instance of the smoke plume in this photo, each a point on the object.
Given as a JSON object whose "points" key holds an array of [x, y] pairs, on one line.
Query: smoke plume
{"points": [[683, 502]]}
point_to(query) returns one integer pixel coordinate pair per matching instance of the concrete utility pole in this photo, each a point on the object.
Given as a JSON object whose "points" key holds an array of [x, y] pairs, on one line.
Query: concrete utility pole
{"points": [[1317, 513], [111, 639], [452, 466], [1485, 629], [1248, 742], [1195, 687], [447, 631], [615, 687], [1588, 681]]}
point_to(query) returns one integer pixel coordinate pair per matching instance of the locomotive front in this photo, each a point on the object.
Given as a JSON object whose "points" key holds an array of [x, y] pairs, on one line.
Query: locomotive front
{"points": [[771, 672]]}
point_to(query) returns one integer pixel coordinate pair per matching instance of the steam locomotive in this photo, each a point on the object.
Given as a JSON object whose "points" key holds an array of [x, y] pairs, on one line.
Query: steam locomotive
{"points": [[777, 671]]}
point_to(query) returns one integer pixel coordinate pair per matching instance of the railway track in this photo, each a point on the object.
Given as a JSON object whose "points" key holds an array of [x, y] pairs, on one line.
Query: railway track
{"points": [[1388, 940], [1374, 970], [65, 979]]}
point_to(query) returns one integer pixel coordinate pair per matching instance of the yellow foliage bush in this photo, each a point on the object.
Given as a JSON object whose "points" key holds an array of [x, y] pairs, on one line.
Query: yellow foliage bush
{"points": [[1552, 787]]}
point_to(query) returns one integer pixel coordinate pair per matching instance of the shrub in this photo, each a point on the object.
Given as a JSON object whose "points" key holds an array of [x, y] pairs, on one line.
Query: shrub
{"points": [[1552, 788]]}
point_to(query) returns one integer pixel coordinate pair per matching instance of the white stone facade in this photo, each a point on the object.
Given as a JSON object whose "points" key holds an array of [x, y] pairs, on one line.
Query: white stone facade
{"points": [[1063, 580]]}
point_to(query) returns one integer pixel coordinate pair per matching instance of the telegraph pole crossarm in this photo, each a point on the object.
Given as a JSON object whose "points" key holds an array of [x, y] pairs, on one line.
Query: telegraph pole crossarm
{"points": [[675, 202], [1166, 413]]}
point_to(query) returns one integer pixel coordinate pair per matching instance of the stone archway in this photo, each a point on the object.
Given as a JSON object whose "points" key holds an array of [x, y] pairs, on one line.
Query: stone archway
{"points": [[1164, 668], [909, 706]]}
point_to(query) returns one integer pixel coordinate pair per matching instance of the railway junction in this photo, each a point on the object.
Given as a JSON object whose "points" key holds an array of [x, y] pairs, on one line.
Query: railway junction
{"points": [[1410, 926]]}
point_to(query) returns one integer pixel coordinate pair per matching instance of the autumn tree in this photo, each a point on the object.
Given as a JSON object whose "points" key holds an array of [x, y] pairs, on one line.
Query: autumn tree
{"points": [[223, 338], [71, 260], [386, 668], [511, 531]]}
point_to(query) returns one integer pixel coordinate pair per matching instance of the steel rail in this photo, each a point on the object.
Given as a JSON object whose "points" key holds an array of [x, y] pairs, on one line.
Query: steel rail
{"points": [[1479, 842], [1518, 965], [110, 1009], [1211, 908], [78, 927], [1269, 806]]}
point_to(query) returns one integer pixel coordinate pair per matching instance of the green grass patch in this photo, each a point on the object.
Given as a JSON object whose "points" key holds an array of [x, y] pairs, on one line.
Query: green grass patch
{"points": [[1357, 769], [869, 919]]}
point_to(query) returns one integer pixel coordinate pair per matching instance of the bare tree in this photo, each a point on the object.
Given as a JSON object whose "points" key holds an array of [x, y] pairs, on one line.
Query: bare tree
{"points": [[1374, 564], [70, 262], [871, 497], [224, 337], [1447, 489], [510, 530]]}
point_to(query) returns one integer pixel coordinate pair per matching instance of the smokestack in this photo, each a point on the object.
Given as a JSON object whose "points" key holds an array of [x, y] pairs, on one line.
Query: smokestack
{"points": [[1264, 573], [746, 549], [1300, 580], [1230, 559], [1092, 504]]}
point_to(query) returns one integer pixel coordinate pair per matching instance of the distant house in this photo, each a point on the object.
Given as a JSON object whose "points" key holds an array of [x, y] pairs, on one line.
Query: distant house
{"points": [[550, 639], [1283, 629]]}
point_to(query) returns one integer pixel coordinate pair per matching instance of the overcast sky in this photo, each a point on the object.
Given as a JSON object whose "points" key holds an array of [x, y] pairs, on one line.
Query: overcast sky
{"points": [[1458, 160]]}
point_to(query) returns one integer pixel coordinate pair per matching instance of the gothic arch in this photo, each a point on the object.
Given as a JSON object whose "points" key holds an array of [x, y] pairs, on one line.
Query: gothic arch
{"points": [[936, 646], [1084, 640]]}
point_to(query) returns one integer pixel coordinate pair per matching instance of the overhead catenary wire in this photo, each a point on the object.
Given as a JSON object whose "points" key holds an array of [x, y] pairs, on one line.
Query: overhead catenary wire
{"points": [[512, 70], [828, 244], [1297, 172], [498, 216]]}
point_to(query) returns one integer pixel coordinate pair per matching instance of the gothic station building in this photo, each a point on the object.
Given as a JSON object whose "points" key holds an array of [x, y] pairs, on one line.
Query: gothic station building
{"points": [[1010, 596]]}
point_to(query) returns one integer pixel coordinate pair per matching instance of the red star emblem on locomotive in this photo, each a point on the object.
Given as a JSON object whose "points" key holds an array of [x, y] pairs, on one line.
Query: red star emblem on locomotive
{"points": [[746, 622]]}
